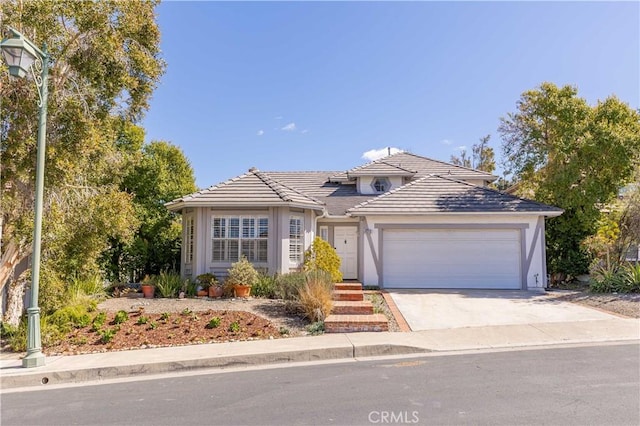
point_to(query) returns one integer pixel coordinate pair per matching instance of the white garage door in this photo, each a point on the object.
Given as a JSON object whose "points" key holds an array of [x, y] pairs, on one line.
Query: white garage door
{"points": [[451, 258]]}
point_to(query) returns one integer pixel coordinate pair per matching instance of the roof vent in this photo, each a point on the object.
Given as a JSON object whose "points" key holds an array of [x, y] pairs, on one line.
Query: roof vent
{"points": [[253, 169]]}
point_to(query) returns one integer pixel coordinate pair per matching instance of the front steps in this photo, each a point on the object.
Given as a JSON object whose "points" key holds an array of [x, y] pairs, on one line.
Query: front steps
{"points": [[351, 313]]}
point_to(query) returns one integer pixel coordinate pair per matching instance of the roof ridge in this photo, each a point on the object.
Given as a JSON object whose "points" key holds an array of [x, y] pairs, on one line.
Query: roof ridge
{"points": [[450, 164], [399, 167], [271, 183]]}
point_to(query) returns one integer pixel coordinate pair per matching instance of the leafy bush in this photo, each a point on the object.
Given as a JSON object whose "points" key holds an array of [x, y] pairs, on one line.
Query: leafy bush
{"points": [[321, 256], [620, 279], [190, 288], [316, 298], [234, 327], [98, 321], [214, 323], [287, 286], [207, 280], [69, 317], [92, 287], [120, 317], [631, 277], [242, 272], [142, 320], [316, 328], [168, 284], [107, 335], [264, 287]]}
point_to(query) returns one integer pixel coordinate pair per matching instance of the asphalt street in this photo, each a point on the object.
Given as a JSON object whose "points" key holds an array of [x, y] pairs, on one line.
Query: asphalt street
{"points": [[563, 386]]}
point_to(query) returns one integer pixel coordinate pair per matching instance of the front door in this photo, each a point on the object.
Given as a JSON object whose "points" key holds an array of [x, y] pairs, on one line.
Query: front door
{"points": [[345, 240]]}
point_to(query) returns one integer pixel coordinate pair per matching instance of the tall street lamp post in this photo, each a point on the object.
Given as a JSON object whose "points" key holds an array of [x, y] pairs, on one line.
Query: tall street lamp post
{"points": [[24, 57]]}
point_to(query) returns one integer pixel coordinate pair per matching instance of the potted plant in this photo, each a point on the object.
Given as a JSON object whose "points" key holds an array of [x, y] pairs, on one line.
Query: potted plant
{"points": [[210, 283], [242, 276], [148, 287]]}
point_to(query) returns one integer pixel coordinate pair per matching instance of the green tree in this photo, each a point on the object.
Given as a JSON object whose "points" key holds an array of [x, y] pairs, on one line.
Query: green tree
{"points": [[572, 155], [163, 174], [482, 157], [105, 65]]}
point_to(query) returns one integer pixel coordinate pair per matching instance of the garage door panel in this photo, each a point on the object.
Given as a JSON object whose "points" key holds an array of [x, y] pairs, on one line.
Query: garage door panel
{"points": [[451, 259]]}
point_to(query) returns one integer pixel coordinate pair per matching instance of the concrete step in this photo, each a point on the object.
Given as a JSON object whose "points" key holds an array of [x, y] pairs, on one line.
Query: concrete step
{"points": [[348, 295], [348, 286], [355, 323], [350, 307]]}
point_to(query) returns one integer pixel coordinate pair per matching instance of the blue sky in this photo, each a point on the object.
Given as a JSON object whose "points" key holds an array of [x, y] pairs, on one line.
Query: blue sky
{"points": [[314, 86]]}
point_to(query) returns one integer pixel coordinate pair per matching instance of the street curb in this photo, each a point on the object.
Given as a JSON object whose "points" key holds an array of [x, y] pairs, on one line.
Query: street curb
{"points": [[45, 378]]}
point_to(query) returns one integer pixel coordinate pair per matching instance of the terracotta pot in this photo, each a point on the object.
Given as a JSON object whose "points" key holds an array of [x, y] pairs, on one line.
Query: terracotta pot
{"points": [[215, 291], [242, 290], [202, 293], [148, 291]]}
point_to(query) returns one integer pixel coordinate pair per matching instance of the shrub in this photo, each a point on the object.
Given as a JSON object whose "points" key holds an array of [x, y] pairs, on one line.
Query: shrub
{"points": [[107, 335], [72, 316], [631, 278], [214, 322], [287, 286], [242, 272], [98, 321], [264, 287], [92, 287], [142, 320], [120, 317], [207, 280], [316, 298], [234, 327], [606, 280], [168, 284], [316, 328], [321, 256]]}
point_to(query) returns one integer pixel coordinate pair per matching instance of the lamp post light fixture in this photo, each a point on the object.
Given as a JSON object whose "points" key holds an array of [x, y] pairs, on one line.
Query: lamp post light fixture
{"points": [[24, 58]]}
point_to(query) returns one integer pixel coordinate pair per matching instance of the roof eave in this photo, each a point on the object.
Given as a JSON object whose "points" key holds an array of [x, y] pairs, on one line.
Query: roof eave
{"points": [[552, 213], [179, 205]]}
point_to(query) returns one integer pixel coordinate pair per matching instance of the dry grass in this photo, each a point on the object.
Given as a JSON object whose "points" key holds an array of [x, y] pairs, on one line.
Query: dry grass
{"points": [[315, 298]]}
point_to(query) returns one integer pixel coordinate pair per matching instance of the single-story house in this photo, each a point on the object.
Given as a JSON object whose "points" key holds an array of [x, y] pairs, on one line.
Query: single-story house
{"points": [[404, 221]]}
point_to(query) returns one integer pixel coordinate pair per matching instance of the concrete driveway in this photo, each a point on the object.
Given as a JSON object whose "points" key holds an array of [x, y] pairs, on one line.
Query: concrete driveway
{"points": [[441, 309]]}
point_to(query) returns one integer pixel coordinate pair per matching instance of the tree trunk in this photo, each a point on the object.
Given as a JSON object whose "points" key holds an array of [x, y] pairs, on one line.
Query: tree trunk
{"points": [[15, 300], [11, 257]]}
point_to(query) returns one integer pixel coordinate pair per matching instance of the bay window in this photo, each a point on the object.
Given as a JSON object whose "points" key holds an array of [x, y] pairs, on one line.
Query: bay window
{"points": [[234, 236], [296, 240]]}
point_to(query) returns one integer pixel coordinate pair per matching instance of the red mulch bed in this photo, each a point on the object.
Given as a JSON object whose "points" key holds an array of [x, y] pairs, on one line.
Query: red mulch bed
{"points": [[170, 329]]}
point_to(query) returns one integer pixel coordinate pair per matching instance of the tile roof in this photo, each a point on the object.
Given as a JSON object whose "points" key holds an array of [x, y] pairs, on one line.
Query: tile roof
{"points": [[436, 192], [423, 166], [252, 189], [443, 194], [337, 198]]}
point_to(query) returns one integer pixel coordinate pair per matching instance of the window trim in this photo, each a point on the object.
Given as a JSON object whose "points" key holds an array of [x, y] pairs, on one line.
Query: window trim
{"points": [[189, 238], [299, 241], [256, 233], [383, 181]]}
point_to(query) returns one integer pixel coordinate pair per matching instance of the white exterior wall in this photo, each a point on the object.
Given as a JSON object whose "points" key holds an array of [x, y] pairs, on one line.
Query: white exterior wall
{"points": [[364, 183], [533, 249]]}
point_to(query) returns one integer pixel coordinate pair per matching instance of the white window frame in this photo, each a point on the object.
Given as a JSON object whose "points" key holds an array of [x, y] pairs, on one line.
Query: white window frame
{"points": [[238, 235], [189, 238], [296, 240], [324, 233]]}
